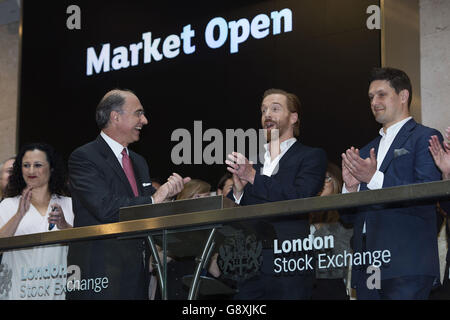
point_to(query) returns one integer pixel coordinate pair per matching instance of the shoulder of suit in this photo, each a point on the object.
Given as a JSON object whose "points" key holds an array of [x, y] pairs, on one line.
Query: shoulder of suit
{"points": [[88, 147], [421, 127], [97, 147], [304, 148]]}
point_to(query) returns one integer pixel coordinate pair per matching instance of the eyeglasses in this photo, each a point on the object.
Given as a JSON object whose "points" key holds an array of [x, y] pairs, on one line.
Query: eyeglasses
{"points": [[138, 113], [328, 179]]}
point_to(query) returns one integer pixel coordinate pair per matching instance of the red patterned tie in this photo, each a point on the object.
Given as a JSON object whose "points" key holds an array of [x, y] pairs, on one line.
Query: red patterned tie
{"points": [[128, 168]]}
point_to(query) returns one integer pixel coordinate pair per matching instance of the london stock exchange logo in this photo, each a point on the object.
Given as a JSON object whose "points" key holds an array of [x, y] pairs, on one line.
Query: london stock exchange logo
{"points": [[240, 257], [5, 280]]}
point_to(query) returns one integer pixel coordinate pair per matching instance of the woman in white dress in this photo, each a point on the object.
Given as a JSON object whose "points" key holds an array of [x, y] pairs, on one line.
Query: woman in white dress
{"points": [[35, 203]]}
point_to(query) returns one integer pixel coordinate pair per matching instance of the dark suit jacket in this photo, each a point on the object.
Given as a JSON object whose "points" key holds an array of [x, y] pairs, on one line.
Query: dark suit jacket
{"points": [[301, 174], [407, 230], [99, 188]]}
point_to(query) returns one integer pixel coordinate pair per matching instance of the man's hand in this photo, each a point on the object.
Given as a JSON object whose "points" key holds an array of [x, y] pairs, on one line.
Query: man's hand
{"points": [[240, 166], [175, 183], [441, 155], [351, 183], [242, 171], [238, 186], [361, 169]]}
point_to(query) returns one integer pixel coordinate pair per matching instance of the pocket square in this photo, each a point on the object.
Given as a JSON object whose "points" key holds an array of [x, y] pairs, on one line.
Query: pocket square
{"points": [[146, 184], [400, 152]]}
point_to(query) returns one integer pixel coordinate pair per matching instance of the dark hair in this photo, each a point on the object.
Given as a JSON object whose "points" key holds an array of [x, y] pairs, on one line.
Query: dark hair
{"points": [[112, 101], [224, 179], [330, 216], [293, 105], [57, 183], [398, 80]]}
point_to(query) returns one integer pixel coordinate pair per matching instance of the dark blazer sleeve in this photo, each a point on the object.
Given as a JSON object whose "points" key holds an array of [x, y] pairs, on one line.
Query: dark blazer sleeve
{"points": [[419, 159], [95, 191], [309, 173]]}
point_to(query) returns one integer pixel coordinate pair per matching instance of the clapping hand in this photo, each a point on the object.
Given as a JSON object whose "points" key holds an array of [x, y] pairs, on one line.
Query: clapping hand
{"points": [[175, 183], [356, 169], [441, 154], [242, 170], [25, 201]]}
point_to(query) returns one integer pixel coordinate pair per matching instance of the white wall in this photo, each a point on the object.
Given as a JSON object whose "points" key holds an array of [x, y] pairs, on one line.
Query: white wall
{"points": [[435, 62], [9, 61]]}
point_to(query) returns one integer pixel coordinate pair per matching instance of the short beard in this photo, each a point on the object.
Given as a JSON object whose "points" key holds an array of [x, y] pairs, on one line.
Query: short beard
{"points": [[272, 135]]}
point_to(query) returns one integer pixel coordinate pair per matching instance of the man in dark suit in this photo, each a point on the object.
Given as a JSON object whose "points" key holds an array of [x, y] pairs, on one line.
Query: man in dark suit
{"points": [[399, 156], [105, 176], [290, 170]]}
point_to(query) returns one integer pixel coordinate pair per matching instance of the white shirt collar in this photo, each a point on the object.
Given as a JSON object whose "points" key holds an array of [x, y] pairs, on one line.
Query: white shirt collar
{"points": [[115, 146], [394, 129], [271, 166], [284, 146]]}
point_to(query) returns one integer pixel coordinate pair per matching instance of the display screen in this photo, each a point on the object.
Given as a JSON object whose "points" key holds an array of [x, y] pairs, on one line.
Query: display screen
{"points": [[200, 70]]}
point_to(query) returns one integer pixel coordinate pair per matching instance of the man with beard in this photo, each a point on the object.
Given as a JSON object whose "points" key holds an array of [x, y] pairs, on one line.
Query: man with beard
{"points": [[398, 156], [290, 170]]}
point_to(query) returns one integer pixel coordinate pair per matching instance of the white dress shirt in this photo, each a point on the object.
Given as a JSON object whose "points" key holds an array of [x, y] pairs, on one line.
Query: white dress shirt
{"points": [[385, 143], [269, 164], [115, 147]]}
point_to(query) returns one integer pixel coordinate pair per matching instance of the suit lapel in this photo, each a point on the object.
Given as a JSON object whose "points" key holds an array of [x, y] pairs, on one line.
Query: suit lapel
{"points": [[112, 161], [137, 172], [399, 141], [292, 150]]}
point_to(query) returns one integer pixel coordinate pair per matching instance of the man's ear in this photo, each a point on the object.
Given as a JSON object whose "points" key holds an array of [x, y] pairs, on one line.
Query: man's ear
{"points": [[294, 117], [404, 96], [114, 116]]}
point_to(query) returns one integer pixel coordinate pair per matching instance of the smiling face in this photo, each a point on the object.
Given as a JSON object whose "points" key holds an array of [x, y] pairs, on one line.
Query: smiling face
{"points": [[35, 168], [128, 123], [387, 106], [276, 115]]}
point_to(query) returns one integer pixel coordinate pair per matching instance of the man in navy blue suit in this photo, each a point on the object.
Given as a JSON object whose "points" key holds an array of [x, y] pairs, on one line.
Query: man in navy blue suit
{"points": [[398, 156], [290, 170]]}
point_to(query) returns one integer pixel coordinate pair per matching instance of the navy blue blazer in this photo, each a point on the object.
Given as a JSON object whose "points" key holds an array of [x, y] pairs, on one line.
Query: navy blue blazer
{"points": [[407, 230], [300, 174]]}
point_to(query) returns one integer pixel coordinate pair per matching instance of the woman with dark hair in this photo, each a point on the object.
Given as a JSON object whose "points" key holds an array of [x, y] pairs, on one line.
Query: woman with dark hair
{"points": [[36, 202]]}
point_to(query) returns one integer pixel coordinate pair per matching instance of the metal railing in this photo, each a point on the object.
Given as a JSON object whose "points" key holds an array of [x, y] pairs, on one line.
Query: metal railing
{"points": [[424, 191]]}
